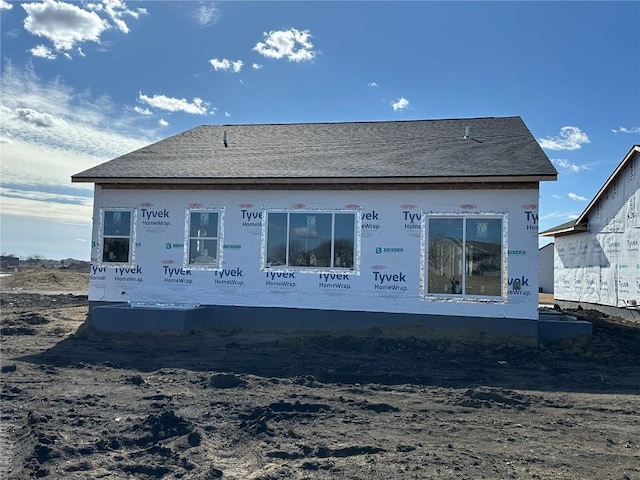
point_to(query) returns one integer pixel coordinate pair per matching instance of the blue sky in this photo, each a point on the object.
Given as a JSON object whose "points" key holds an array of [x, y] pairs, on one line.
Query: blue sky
{"points": [[84, 82]]}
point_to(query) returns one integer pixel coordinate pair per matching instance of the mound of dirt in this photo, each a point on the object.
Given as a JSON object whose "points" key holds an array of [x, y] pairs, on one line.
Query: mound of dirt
{"points": [[46, 280]]}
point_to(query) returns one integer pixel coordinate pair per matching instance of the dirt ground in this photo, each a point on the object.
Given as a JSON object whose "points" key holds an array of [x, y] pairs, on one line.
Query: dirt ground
{"points": [[77, 404]]}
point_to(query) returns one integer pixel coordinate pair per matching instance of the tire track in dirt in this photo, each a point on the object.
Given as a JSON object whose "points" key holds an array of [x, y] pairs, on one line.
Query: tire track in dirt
{"points": [[7, 448]]}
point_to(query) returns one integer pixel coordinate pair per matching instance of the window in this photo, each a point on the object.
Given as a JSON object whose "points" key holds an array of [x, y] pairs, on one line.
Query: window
{"points": [[116, 236], [465, 255], [204, 241], [314, 240]]}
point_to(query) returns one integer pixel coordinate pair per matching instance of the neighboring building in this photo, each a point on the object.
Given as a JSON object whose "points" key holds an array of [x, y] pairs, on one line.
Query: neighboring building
{"points": [[9, 261], [545, 265], [597, 256], [429, 222]]}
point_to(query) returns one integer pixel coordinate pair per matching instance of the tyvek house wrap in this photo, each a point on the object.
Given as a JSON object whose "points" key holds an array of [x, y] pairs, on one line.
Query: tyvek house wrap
{"points": [[602, 266], [389, 272]]}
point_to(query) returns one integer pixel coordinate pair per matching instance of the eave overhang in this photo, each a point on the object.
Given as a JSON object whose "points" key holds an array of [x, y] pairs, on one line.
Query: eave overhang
{"points": [[312, 180], [559, 232]]}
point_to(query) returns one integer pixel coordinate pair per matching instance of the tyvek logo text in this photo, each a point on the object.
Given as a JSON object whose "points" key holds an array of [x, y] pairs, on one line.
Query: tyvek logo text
{"points": [[370, 220], [532, 220], [155, 218], [251, 218], [129, 274], [280, 279], [335, 281], [519, 286], [390, 281], [98, 273], [177, 275], [413, 220], [229, 277]]}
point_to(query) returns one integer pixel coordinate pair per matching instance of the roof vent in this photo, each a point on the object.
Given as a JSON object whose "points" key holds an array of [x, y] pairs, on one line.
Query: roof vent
{"points": [[467, 135], [224, 139]]}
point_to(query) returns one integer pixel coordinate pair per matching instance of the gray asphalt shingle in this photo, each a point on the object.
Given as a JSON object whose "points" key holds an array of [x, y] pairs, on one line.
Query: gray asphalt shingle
{"points": [[500, 146]]}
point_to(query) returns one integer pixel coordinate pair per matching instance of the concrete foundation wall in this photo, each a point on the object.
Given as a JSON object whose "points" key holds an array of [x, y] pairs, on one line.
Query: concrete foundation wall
{"points": [[122, 317], [626, 313]]}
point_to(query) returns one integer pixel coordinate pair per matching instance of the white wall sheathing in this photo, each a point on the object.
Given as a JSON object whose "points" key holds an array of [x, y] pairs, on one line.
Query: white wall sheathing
{"points": [[390, 251], [545, 268], [602, 265]]}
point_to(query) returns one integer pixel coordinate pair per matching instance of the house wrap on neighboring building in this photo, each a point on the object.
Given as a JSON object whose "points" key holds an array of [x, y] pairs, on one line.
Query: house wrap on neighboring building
{"points": [[545, 268], [597, 255], [420, 218]]}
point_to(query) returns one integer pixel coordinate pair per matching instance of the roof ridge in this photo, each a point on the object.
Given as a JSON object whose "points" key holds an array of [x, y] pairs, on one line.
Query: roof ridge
{"points": [[352, 122]]}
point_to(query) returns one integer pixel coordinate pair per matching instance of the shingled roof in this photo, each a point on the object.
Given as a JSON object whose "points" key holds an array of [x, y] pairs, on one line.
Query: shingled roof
{"points": [[497, 149]]}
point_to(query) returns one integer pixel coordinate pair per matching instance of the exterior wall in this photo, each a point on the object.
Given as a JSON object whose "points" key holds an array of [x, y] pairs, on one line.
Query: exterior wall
{"points": [[391, 242], [545, 274], [602, 266]]}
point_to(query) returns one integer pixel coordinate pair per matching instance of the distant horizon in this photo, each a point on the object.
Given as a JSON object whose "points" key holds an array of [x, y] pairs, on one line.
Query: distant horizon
{"points": [[40, 258]]}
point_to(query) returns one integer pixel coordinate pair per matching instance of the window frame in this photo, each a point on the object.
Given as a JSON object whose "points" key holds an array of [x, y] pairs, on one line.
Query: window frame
{"points": [[131, 237], [287, 267], [219, 238], [463, 296]]}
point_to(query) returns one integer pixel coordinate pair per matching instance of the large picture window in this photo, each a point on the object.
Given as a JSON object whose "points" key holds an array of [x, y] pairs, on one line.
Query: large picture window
{"points": [[204, 238], [465, 256], [311, 240], [116, 236]]}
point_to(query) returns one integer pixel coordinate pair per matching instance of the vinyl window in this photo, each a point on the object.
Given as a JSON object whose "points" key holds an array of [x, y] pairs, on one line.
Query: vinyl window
{"points": [[203, 246], [117, 239], [465, 256], [311, 240]]}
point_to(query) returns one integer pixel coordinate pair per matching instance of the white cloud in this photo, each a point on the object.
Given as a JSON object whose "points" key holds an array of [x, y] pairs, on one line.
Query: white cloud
{"points": [[142, 111], [49, 132], [576, 197], [63, 23], [400, 104], [224, 64], [567, 165], [227, 114], [294, 45], [557, 217], [196, 107], [256, 66], [553, 215], [206, 14], [4, 5], [43, 51], [163, 122], [570, 138], [39, 119], [66, 25], [42, 167], [626, 130], [51, 114], [43, 196], [117, 10], [372, 84]]}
